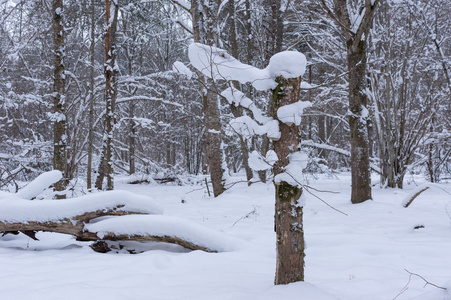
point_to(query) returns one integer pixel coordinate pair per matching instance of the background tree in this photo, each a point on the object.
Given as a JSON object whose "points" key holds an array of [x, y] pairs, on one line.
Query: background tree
{"points": [[355, 20]]}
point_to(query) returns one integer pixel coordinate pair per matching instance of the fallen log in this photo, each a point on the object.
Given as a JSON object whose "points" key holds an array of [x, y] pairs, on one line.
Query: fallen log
{"points": [[113, 216]]}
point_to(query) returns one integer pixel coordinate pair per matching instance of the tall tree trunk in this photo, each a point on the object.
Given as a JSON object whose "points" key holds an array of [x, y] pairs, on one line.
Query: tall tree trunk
{"points": [[356, 34], [59, 99], [110, 71], [235, 110], [288, 209], [91, 98], [214, 151], [358, 113]]}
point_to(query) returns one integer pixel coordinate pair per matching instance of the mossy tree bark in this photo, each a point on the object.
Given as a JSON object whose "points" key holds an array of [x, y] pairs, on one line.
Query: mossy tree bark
{"points": [[288, 209]]}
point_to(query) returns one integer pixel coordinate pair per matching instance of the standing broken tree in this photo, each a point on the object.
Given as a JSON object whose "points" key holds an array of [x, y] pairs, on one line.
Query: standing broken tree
{"points": [[283, 78]]}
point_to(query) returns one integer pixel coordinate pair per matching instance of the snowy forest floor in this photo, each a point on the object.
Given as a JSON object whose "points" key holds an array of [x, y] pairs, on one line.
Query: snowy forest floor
{"points": [[367, 254]]}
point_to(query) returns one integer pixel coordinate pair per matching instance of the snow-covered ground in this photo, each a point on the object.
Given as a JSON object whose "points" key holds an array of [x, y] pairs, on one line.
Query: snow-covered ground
{"points": [[364, 255]]}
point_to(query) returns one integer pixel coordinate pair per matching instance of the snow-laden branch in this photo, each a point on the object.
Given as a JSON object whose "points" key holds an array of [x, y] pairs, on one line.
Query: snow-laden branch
{"points": [[217, 64]]}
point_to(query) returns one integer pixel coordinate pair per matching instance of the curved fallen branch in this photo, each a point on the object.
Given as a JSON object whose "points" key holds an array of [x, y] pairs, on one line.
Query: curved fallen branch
{"points": [[418, 191]]}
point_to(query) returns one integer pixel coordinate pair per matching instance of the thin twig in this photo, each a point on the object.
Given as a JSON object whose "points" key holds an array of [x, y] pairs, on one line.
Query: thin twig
{"points": [[426, 282], [316, 196]]}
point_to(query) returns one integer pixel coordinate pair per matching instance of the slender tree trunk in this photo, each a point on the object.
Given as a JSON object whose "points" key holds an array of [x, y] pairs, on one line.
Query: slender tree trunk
{"points": [[59, 99], [132, 137], [110, 71], [214, 151], [235, 110], [288, 209], [91, 99]]}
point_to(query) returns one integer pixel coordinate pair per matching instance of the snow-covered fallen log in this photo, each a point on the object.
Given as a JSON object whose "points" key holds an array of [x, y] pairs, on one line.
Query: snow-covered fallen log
{"points": [[112, 215], [161, 228], [70, 216]]}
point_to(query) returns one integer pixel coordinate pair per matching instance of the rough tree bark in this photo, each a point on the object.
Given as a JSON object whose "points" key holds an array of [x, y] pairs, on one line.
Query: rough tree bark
{"points": [[59, 99], [288, 209], [205, 33], [358, 113], [356, 33], [110, 71]]}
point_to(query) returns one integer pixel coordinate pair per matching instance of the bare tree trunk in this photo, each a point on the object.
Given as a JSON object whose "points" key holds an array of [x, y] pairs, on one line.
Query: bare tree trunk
{"points": [[106, 164], [91, 99], [235, 110], [356, 36], [59, 99], [358, 101], [288, 209], [214, 152], [132, 136]]}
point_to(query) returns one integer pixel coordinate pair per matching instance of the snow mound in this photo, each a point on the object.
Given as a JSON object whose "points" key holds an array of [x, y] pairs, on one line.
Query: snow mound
{"points": [[39, 184], [289, 64], [292, 113], [153, 225], [258, 162], [14, 209], [182, 69]]}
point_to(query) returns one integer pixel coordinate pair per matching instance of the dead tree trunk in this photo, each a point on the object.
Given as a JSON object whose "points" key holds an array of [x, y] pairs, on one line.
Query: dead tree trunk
{"points": [[288, 209]]}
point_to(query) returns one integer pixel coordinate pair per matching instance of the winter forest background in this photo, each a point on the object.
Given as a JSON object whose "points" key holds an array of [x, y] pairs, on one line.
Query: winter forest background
{"points": [[158, 124], [207, 107]]}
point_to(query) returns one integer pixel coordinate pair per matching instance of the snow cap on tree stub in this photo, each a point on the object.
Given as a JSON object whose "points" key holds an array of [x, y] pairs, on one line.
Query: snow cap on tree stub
{"points": [[289, 64]]}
